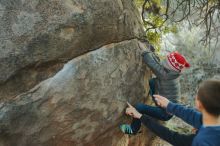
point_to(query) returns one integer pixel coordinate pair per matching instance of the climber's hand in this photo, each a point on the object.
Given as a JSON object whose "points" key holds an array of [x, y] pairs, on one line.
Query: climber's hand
{"points": [[161, 101], [194, 130], [145, 46], [130, 110], [142, 46], [152, 48]]}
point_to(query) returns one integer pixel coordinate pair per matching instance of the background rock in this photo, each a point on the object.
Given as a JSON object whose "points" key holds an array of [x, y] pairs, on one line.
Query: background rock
{"points": [[205, 64], [204, 59]]}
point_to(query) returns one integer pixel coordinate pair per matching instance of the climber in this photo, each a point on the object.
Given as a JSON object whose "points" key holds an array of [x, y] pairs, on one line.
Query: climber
{"points": [[166, 84], [206, 117]]}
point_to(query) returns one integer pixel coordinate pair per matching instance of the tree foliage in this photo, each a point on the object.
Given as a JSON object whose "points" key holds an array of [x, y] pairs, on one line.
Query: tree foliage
{"points": [[157, 16]]}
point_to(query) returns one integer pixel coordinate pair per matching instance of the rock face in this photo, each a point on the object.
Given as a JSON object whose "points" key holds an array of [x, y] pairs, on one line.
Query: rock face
{"points": [[38, 37], [67, 69], [82, 104]]}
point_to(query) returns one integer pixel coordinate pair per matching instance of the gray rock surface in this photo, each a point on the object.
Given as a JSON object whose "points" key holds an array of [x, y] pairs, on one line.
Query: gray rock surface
{"points": [[67, 69], [82, 104], [38, 37]]}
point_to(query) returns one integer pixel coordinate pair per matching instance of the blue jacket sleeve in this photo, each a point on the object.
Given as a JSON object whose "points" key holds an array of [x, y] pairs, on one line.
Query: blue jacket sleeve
{"points": [[189, 115], [154, 64]]}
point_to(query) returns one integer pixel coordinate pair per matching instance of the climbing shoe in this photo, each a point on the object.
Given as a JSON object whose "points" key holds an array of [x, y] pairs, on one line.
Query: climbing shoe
{"points": [[126, 129]]}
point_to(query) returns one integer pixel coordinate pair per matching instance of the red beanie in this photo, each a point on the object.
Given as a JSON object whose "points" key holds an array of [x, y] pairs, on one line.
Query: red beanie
{"points": [[177, 61]]}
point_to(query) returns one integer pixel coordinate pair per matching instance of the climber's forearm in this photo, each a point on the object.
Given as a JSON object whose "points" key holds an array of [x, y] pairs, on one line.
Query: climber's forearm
{"points": [[152, 62]]}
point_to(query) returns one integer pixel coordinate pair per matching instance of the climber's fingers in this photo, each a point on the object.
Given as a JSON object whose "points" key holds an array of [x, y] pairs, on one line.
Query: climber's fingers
{"points": [[129, 105], [128, 111]]}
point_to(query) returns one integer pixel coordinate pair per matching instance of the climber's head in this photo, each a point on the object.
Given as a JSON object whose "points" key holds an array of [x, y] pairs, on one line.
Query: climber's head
{"points": [[175, 61]]}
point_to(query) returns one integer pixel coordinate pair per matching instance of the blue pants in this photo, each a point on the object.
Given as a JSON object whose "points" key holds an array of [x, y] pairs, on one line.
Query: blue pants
{"points": [[170, 136], [152, 111]]}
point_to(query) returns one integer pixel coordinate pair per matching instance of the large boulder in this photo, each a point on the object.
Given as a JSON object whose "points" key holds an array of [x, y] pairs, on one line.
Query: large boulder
{"points": [[38, 37], [82, 104], [67, 68]]}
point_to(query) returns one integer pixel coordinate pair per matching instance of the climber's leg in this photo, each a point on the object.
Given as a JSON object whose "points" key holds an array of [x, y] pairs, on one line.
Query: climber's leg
{"points": [[170, 136]]}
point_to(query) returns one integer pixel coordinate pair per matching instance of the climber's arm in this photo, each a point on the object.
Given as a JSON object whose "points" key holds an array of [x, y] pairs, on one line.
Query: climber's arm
{"points": [[152, 60], [154, 64]]}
